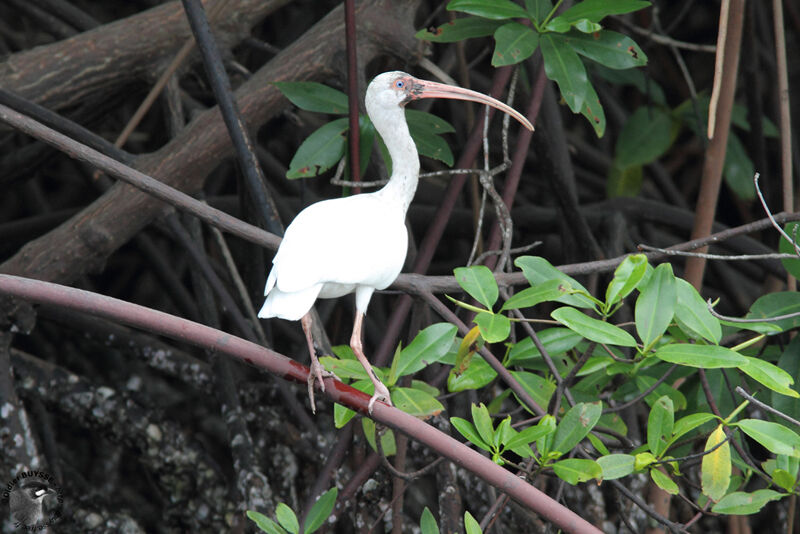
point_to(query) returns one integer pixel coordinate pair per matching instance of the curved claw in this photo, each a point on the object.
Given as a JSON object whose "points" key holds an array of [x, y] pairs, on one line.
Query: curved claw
{"points": [[317, 373], [381, 394]]}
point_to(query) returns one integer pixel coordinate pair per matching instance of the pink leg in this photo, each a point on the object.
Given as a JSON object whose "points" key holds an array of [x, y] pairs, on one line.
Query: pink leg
{"points": [[317, 372], [381, 392]]}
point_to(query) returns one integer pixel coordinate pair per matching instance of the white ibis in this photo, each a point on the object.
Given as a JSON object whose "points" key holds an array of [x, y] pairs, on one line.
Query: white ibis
{"points": [[358, 244]]}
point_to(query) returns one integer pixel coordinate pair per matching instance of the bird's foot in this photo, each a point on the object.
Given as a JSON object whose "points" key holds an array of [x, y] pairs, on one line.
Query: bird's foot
{"points": [[382, 394], [317, 373]]}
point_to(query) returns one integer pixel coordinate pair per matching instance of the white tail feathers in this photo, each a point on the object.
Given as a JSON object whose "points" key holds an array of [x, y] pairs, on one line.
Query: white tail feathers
{"points": [[290, 306]]}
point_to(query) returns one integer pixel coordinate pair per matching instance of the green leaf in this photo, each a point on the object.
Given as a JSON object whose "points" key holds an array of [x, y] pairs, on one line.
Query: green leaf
{"points": [[738, 169], [704, 356], [321, 511], [576, 423], [538, 270], [366, 140], [592, 109], [427, 523], [692, 315], [575, 470], [770, 375], [659, 425], [775, 437], [593, 329], [489, 9], [664, 481], [545, 444], [686, 424], [644, 138], [789, 362], [528, 436], [471, 526], [538, 9], [642, 460], [429, 346], [537, 387], [265, 523], [477, 375], [627, 276], [563, 66], [783, 479], [596, 10], [342, 415], [478, 281], [388, 443], [556, 341], [483, 422], [416, 402], [344, 368], [468, 430], [587, 26], [514, 42], [792, 229], [320, 151], [313, 96], [741, 503], [655, 306], [616, 465], [612, 49], [716, 465], [287, 518], [546, 291], [777, 304], [426, 128], [494, 327], [459, 29]]}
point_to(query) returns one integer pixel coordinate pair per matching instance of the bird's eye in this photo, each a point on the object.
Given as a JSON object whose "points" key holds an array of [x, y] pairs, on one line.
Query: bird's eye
{"points": [[399, 84]]}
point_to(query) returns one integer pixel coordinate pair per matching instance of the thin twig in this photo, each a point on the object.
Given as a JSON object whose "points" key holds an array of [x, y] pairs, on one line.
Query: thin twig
{"points": [[765, 406], [723, 257]]}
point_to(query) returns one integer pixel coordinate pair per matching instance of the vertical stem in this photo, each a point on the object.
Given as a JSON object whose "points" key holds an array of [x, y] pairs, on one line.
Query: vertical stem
{"points": [[715, 153], [352, 90]]}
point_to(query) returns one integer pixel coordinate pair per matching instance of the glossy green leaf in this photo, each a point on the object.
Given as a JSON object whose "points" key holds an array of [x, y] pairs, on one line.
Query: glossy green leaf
{"points": [[471, 525], [459, 29], [616, 465], [490, 9], [644, 382], [738, 169], [483, 422], [477, 375], [775, 437], [627, 276], [692, 315], [705, 356], [792, 229], [538, 270], [428, 347], [538, 9], [546, 291], [686, 424], [575, 470], [783, 479], [642, 460], [593, 329], [427, 523], [320, 151], [537, 387], [770, 375], [529, 435], [556, 341], [425, 129], [416, 402], [576, 423], [468, 430], [592, 109], [344, 368], [563, 66], [478, 281], [741, 503], [596, 10], [659, 425], [494, 327], [287, 518], [545, 444], [777, 304], [789, 362], [655, 306], [388, 443], [644, 138], [612, 49], [313, 96], [265, 523], [716, 465], [514, 42], [429, 122], [664, 481], [342, 415], [587, 26], [321, 511]]}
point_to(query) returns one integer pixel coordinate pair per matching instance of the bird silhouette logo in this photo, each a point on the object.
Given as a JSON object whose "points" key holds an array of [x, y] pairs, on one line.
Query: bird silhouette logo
{"points": [[26, 503]]}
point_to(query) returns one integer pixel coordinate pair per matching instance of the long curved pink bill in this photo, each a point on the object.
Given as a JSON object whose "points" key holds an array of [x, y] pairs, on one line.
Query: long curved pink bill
{"points": [[427, 89]]}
